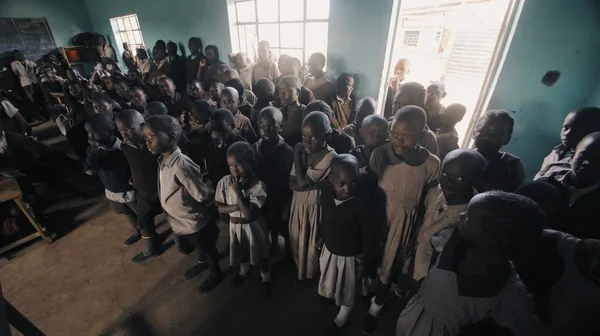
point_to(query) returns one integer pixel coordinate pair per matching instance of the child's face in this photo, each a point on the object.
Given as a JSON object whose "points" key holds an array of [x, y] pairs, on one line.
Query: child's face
{"points": [[434, 95], [229, 101], [220, 130], [406, 97], [343, 182], [374, 134], [194, 46], [166, 87], [404, 136], [401, 71], [157, 142], [103, 107], [288, 94], [75, 90], [491, 136], [574, 129], [314, 66], [131, 132], [138, 98], [455, 181], [346, 90], [210, 55], [469, 224], [99, 136], [313, 141], [197, 121], [237, 168], [585, 167], [196, 90], [109, 84], [267, 129], [122, 89], [158, 54], [215, 92]]}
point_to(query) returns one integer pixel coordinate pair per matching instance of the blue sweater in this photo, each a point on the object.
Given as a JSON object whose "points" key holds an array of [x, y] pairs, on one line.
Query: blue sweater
{"points": [[111, 167]]}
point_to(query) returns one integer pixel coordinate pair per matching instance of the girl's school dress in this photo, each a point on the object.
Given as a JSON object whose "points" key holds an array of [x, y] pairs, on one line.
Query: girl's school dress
{"points": [[305, 219], [439, 216], [250, 239], [405, 184], [347, 235], [447, 302]]}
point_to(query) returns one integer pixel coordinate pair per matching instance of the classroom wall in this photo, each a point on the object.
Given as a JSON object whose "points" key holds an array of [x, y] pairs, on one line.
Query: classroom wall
{"points": [[551, 35], [65, 17], [176, 20], [357, 39]]}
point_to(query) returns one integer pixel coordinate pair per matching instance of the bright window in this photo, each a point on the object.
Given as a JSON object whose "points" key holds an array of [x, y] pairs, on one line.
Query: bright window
{"points": [[127, 29], [294, 27]]}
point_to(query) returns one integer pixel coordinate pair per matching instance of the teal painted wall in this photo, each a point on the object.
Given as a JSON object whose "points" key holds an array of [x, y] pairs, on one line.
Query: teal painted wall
{"points": [[594, 97], [551, 35], [65, 17], [358, 32], [175, 20]]}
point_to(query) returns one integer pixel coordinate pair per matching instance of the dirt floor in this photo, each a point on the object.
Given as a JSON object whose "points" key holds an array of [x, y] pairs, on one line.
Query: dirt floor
{"points": [[85, 284]]}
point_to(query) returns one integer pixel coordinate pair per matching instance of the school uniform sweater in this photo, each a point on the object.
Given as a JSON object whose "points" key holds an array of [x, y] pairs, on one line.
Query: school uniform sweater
{"points": [[347, 226], [143, 166], [176, 105], [274, 170], [113, 171]]}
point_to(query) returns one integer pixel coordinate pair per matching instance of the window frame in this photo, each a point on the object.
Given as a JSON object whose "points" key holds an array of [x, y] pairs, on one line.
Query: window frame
{"points": [[240, 26], [114, 23]]}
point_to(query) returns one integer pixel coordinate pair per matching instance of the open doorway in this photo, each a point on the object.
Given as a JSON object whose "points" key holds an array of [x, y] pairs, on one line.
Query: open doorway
{"points": [[456, 42]]}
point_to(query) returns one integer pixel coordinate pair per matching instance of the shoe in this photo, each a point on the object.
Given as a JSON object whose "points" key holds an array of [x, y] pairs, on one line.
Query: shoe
{"points": [[370, 324], [195, 270], [210, 283], [132, 239], [268, 287], [140, 258], [238, 280]]}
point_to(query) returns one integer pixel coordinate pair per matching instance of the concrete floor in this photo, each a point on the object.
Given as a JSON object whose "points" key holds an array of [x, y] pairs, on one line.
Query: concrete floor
{"points": [[85, 284]]}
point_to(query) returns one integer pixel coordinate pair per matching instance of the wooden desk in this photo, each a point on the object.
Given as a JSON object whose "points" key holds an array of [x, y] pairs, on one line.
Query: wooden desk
{"points": [[10, 191]]}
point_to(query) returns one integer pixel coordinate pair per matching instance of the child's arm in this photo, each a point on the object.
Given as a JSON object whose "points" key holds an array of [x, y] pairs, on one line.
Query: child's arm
{"points": [[299, 180], [226, 208], [192, 180], [246, 208], [220, 197], [91, 165]]}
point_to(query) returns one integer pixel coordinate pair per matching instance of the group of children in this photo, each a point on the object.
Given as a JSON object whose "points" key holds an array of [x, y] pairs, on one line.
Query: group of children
{"points": [[364, 203]]}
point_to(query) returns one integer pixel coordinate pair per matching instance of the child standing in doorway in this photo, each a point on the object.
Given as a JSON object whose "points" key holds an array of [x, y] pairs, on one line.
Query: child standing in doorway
{"points": [[312, 158], [241, 195]]}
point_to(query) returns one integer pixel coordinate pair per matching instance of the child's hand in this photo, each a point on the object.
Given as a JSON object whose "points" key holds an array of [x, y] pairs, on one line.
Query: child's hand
{"points": [[235, 184], [320, 243]]}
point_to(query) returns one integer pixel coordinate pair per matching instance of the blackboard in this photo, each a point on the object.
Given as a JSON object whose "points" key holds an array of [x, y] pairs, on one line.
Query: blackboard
{"points": [[30, 35]]}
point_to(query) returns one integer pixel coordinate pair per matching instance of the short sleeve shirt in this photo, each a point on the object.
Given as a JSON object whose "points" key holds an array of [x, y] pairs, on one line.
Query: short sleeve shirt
{"points": [[256, 194]]}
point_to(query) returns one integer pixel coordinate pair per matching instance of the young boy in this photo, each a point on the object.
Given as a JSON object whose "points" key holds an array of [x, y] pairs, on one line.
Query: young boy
{"points": [[341, 142], [292, 110], [275, 159], [105, 158], [214, 93], [176, 103], [223, 136], [461, 175], [144, 168], [577, 125], [103, 104], [265, 94], [436, 91], [244, 105], [293, 67], [446, 135], [139, 99], [347, 236], [264, 67], [504, 171], [365, 107], [344, 111], [317, 82], [230, 100], [184, 197], [473, 279]]}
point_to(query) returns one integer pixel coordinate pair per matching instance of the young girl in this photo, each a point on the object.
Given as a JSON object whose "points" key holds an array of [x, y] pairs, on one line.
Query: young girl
{"points": [[309, 172], [347, 235], [474, 280], [462, 174], [406, 172], [504, 170], [241, 195]]}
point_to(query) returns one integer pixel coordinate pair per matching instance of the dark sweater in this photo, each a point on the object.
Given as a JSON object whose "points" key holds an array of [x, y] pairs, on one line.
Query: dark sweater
{"points": [[504, 172], [341, 142], [347, 228], [112, 169], [274, 170], [143, 166], [177, 105], [217, 159]]}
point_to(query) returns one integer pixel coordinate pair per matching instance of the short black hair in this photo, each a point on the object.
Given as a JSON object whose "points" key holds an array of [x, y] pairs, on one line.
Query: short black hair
{"points": [[238, 85], [502, 116], [130, 115], [319, 57], [411, 114], [136, 88], [197, 40], [243, 152], [214, 49], [273, 112], [157, 108], [589, 115], [164, 124], [340, 83], [101, 122], [318, 105], [413, 89], [103, 98], [203, 108], [472, 160], [347, 162], [319, 121], [222, 115], [291, 81], [365, 107], [456, 111], [161, 44], [543, 193], [165, 78], [375, 119], [441, 86], [264, 89]]}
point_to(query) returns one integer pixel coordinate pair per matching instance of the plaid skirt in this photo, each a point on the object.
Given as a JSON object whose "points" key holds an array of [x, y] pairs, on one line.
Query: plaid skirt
{"points": [[249, 241], [338, 278]]}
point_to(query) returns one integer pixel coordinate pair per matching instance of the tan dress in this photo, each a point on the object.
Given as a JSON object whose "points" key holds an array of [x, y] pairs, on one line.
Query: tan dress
{"points": [[439, 216], [305, 218], [404, 183]]}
